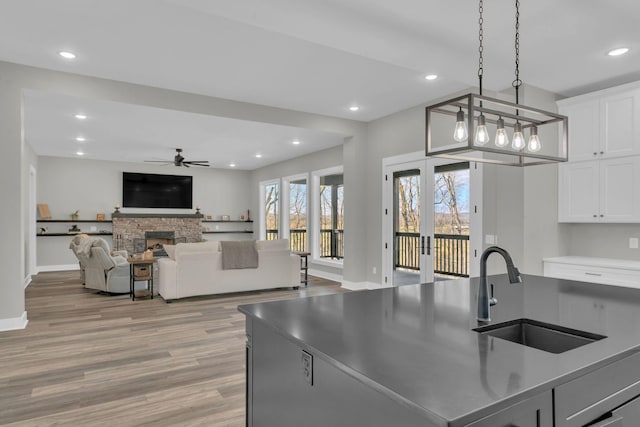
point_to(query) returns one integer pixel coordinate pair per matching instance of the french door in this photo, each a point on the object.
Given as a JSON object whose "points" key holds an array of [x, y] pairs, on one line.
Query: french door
{"points": [[408, 225], [427, 220]]}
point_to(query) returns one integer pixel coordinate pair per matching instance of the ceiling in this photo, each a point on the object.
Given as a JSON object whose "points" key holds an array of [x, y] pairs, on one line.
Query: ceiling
{"points": [[314, 56]]}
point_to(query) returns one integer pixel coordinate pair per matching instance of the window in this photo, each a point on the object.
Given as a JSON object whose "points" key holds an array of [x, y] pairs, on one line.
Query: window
{"points": [[328, 203], [270, 218], [298, 214]]}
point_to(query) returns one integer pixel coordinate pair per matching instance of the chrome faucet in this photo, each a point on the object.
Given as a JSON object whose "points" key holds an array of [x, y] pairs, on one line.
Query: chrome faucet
{"points": [[484, 301]]}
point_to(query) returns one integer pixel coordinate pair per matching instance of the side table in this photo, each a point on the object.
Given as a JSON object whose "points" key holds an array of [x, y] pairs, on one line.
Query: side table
{"points": [[141, 270], [304, 265]]}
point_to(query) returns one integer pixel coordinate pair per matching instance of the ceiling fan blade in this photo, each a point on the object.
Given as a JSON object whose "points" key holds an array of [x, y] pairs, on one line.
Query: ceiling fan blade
{"points": [[197, 164], [185, 165]]}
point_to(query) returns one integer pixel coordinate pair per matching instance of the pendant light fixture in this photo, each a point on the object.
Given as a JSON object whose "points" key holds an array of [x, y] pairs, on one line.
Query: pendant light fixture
{"points": [[476, 116]]}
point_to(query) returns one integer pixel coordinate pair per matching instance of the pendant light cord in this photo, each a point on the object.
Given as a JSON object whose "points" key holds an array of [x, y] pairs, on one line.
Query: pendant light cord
{"points": [[517, 82], [480, 47]]}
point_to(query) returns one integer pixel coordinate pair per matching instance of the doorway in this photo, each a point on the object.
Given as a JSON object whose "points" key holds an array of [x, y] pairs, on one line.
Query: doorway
{"points": [[428, 220]]}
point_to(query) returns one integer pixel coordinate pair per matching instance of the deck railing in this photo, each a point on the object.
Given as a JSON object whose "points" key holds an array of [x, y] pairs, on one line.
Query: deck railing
{"points": [[450, 256], [451, 251], [331, 244]]}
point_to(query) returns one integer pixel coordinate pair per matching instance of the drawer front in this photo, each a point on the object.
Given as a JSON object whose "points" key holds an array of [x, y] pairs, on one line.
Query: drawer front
{"points": [[592, 395], [584, 273]]}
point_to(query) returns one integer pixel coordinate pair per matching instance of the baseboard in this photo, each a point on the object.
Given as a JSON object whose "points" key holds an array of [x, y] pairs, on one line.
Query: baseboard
{"points": [[358, 286], [27, 281], [67, 267], [14, 323], [325, 275]]}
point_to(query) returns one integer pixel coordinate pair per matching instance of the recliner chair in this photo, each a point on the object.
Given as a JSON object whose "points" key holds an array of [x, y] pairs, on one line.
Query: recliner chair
{"points": [[102, 271], [73, 245]]}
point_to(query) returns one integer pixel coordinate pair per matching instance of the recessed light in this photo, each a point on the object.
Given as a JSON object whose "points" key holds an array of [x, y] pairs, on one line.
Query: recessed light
{"points": [[354, 108], [431, 76], [81, 139], [67, 55], [81, 116], [232, 165], [295, 142], [258, 156], [79, 153], [619, 51]]}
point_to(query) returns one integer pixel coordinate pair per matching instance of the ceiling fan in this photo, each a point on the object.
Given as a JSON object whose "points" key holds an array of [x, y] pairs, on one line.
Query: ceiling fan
{"points": [[178, 160]]}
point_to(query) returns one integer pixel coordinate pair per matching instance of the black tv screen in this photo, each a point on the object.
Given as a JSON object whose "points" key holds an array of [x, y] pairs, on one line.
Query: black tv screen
{"points": [[145, 190]]}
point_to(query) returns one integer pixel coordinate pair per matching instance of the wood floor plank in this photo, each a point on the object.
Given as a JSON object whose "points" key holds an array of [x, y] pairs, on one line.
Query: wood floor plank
{"points": [[89, 359]]}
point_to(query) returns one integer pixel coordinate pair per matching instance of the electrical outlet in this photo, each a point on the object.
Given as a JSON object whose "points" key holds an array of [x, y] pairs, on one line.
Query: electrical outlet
{"points": [[375, 270], [490, 239], [307, 367], [633, 243]]}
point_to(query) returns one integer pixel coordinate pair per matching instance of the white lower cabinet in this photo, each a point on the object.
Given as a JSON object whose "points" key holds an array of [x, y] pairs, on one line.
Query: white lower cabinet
{"points": [[595, 270], [606, 190]]}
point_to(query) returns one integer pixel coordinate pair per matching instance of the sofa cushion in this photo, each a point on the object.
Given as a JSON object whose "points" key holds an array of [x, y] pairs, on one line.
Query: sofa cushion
{"points": [[272, 245], [182, 248], [170, 250]]}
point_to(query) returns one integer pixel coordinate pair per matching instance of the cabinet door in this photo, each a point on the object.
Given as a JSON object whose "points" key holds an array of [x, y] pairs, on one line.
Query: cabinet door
{"points": [[620, 189], [533, 412], [584, 130], [578, 199], [619, 124]]}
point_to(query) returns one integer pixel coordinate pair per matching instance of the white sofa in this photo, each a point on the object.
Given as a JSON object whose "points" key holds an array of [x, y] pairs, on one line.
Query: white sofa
{"points": [[196, 269]]}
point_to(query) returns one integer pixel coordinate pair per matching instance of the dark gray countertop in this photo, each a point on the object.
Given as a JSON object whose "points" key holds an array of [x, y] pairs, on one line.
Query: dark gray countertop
{"points": [[415, 342]]}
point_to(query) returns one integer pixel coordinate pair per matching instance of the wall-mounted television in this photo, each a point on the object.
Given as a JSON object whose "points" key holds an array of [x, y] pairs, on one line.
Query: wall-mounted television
{"points": [[146, 190]]}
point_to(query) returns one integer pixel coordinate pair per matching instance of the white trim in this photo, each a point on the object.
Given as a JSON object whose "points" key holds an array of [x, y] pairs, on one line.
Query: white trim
{"points": [[31, 227], [13, 323], [27, 281], [328, 263], [475, 219], [359, 286], [403, 158], [325, 275], [61, 267]]}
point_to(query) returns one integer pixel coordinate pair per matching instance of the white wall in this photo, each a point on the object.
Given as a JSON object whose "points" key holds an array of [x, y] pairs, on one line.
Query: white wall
{"points": [[93, 186], [15, 78]]}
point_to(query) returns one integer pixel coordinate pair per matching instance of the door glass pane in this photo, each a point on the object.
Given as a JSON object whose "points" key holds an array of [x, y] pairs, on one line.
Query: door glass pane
{"points": [[332, 217], [272, 218], [298, 215], [406, 214], [451, 216]]}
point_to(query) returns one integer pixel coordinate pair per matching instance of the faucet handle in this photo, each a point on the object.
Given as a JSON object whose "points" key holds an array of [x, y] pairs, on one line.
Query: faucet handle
{"points": [[492, 300]]}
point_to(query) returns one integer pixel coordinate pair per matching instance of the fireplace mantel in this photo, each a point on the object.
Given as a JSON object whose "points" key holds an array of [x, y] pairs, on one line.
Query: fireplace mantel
{"points": [[154, 215]]}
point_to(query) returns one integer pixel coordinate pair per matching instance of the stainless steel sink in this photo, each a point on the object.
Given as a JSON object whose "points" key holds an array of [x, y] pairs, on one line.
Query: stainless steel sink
{"points": [[540, 335]]}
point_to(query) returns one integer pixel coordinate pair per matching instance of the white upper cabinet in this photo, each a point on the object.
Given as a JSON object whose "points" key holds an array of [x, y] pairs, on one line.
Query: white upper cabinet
{"points": [[606, 190], [603, 124], [601, 180]]}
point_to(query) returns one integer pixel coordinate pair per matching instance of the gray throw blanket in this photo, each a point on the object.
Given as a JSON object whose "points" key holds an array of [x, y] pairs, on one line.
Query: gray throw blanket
{"points": [[239, 254]]}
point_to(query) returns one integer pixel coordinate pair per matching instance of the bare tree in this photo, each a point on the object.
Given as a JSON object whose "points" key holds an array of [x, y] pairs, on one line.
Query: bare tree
{"points": [[446, 193], [271, 206]]}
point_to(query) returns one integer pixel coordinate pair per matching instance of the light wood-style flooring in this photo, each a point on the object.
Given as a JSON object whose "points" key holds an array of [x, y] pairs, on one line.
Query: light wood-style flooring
{"points": [[87, 359]]}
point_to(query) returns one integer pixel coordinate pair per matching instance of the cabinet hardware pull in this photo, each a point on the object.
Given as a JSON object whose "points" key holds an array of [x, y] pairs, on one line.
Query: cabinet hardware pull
{"points": [[592, 274]]}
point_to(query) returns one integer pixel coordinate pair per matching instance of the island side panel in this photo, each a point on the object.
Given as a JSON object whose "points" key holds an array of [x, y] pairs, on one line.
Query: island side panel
{"points": [[279, 394]]}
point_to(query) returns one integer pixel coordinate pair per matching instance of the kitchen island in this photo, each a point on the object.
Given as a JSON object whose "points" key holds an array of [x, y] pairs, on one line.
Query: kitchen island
{"points": [[408, 356]]}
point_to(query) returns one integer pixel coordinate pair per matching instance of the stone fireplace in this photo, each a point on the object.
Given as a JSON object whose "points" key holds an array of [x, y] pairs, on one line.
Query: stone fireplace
{"points": [[138, 232], [155, 241]]}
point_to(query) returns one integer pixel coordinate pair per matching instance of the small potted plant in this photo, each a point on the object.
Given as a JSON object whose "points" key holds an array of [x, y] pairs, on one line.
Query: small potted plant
{"points": [[74, 215]]}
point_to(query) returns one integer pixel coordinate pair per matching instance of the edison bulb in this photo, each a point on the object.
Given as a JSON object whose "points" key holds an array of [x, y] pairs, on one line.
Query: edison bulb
{"points": [[460, 133], [534, 140], [518, 138], [502, 139], [482, 134]]}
